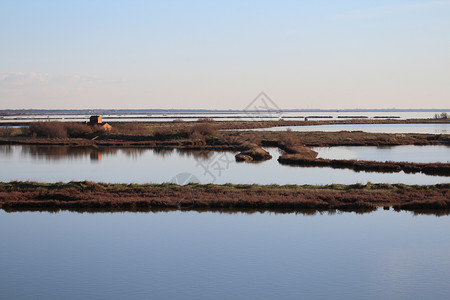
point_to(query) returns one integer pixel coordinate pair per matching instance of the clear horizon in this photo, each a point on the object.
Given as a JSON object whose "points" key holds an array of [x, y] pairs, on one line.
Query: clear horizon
{"points": [[211, 55]]}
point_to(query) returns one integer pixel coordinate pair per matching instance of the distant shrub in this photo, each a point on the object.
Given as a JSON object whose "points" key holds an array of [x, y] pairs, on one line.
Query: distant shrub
{"points": [[443, 115], [131, 128], [47, 130], [60, 130], [204, 129], [205, 120], [77, 130], [167, 133], [6, 131], [287, 139]]}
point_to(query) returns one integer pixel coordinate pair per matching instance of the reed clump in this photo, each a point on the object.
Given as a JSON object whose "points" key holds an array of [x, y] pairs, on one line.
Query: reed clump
{"points": [[62, 130]]}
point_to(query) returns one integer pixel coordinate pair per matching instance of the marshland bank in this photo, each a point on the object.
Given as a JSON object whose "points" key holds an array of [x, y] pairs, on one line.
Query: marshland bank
{"points": [[90, 195], [212, 131], [240, 124], [204, 135]]}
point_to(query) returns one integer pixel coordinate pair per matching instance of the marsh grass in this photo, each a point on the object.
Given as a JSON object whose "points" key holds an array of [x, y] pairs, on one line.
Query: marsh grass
{"points": [[86, 194]]}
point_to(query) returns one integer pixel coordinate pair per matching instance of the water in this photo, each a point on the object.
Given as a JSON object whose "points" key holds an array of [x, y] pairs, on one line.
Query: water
{"points": [[222, 116], [190, 255], [138, 165], [409, 153], [371, 128]]}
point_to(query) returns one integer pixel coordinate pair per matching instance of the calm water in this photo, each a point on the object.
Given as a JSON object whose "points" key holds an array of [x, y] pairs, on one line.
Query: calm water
{"points": [[190, 255], [372, 128], [59, 163], [222, 116], [420, 154]]}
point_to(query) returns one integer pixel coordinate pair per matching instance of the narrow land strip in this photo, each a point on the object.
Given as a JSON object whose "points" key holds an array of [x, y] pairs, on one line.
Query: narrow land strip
{"points": [[15, 196]]}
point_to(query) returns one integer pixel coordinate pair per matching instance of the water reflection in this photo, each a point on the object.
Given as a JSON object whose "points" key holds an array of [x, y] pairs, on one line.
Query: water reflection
{"points": [[247, 211], [96, 154], [52, 153], [6, 150], [144, 165], [197, 154]]}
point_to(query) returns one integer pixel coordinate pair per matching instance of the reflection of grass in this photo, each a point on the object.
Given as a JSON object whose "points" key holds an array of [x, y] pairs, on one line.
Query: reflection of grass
{"points": [[91, 195]]}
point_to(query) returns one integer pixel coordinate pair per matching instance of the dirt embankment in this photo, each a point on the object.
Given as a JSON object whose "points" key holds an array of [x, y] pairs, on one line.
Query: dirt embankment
{"points": [[16, 196]]}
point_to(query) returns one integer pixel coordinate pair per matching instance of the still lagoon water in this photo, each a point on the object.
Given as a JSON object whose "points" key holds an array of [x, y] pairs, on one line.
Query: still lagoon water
{"points": [[134, 165], [191, 255], [410, 153], [372, 128]]}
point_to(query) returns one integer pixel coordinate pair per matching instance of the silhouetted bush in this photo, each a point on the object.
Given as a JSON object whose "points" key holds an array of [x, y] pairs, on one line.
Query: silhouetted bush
{"points": [[443, 115]]}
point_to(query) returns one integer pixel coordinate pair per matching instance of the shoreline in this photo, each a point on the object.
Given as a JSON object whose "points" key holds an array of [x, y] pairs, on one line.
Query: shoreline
{"points": [[85, 195]]}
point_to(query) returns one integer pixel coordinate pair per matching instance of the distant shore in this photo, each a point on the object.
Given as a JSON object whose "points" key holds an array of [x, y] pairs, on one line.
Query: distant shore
{"points": [[223, 123]]}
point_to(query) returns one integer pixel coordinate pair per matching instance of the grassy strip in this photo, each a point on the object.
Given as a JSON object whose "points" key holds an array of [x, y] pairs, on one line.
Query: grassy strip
{"points": [[265, 138], [442, 169], [16, 196]]}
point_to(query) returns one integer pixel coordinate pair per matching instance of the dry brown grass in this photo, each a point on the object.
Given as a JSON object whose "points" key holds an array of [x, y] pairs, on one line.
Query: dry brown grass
{"points": [[442, 169], [61, 130], [84, 195], [130, 128], [47, 130], [6, 131]]}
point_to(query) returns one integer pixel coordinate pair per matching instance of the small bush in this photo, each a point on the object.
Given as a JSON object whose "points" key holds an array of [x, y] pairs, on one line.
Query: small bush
{"points": [[47, 130], [162, 132], [204, 129], [60, 130], [287, 139], [7, 131], [77, 130]]}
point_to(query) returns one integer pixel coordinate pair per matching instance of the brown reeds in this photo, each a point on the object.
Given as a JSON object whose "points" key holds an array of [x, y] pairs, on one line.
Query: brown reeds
{"points": [[89, 195], [442, 169]]}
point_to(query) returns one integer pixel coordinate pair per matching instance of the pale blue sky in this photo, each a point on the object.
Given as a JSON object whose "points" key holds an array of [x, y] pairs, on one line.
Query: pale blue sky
{"points": [[221, 54]]}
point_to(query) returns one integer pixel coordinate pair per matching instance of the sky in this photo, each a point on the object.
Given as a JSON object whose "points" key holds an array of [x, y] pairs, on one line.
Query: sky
{"points": [[221, 54]]}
